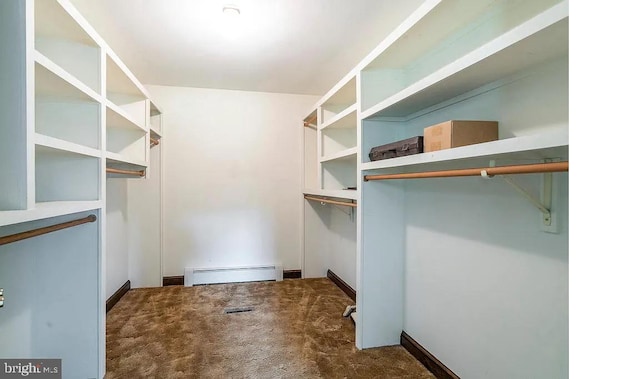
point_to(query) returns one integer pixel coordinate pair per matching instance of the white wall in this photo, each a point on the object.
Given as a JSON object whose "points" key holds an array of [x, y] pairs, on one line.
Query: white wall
{"points": [[117, 272], [133, 229], [485, 290], [330, 242], [232, 183], [144, 243]]}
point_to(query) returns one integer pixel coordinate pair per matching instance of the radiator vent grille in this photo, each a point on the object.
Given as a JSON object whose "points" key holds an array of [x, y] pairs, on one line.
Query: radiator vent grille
{"points": [[237, 310]]}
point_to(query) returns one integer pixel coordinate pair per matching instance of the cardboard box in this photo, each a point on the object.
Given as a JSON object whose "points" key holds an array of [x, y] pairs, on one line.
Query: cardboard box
{"points": [[455, 133]]}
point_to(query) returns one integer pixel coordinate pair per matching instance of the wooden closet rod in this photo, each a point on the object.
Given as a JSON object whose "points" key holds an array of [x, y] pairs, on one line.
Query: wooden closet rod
{"points": [[321, 200], [154, 141], [310, 122], [48, 229], [504, 170], [125, 172]]}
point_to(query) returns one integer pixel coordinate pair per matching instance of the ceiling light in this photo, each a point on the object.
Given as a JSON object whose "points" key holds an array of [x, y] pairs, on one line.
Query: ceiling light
{"points": [[231, 10]]}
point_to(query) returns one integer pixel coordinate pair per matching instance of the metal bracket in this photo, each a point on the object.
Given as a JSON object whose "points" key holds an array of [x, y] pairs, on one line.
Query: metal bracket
{"points": [[540, 204], [351, 212], [543, 204]]}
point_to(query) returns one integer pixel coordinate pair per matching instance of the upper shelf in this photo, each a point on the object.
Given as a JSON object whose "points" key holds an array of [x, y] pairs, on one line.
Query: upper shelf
{"points": [[63, 36], [344, 120], [57, 20], [525, 148], [154, 110], [53, 81], [543, 37], [155, 121], [117, 118], [122, 86], [342, 99]]}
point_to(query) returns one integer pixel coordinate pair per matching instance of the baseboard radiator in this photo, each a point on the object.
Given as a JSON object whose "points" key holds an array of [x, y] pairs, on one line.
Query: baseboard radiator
{"points": [[194, 276]]}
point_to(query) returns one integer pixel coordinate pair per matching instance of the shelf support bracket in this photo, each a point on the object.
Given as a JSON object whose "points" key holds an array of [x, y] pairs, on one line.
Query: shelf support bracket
{"points": [[543, 204], [540, 204]]}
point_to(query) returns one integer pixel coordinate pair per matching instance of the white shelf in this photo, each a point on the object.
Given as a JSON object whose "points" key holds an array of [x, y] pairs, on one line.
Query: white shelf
{"points": [[58, 144], [118, 118], [542, 38], [343, 96], [342, 155], [534, 148], [63, 175], [62, 35], [154, 110], [155, 120], [52, 80], [59, 20], [154, 133], [46, 210], [340, 194], [121, 162], [345, 119], [120, 81]]}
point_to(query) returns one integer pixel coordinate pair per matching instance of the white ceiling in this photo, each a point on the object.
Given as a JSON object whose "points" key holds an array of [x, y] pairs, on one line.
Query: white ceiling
{"points": [[287, 46]]}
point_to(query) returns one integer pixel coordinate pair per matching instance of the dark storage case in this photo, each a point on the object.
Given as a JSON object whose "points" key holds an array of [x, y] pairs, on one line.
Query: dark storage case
{"points": [[407, 146]]}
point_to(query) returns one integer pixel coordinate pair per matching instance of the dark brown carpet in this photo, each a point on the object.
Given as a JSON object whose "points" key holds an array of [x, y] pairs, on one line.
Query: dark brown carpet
{"points": [[296, 330]]}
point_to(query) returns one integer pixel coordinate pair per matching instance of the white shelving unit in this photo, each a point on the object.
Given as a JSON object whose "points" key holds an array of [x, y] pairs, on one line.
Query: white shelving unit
{"points": [[336, 151], [155, 121], [334, 134], [331, 173], [501, 60], [72, 110]]}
